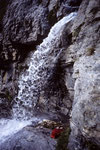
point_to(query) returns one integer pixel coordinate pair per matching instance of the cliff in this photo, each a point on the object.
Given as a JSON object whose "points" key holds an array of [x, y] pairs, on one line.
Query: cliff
{"points": [[65, 81], [85, 110], [24, 25]]}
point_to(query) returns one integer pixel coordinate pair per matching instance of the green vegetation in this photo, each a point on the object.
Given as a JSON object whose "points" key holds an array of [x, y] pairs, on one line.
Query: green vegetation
{"points": [[8, 96], [90, 51], [63, 140], [76, 32]]}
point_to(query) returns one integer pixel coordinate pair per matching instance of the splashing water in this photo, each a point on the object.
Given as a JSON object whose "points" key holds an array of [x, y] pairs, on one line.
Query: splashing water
{"points": [[40, 69], [9, 127]]}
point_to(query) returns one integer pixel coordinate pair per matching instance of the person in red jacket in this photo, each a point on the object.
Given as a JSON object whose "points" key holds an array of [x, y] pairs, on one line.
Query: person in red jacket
{"points": [[56, 132]]}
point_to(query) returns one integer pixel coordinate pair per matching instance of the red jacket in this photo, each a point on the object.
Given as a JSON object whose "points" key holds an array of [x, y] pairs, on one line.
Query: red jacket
{"points": [[56, 133]]}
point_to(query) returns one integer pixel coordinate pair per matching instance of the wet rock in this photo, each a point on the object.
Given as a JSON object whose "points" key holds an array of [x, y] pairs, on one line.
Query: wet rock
{"points": [[5, 104], [30, 138]]}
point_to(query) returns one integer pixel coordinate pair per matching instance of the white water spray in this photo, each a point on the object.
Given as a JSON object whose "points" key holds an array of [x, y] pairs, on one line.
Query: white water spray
{"points": [[40, 69], [9, 127]]}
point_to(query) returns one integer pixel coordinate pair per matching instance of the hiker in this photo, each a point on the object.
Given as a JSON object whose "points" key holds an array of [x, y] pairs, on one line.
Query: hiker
{"points": [[56, 132]]}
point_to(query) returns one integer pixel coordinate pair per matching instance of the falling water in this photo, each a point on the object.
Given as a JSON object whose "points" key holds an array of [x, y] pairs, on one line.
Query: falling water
{"points": [[34, 79], [40, 69]]}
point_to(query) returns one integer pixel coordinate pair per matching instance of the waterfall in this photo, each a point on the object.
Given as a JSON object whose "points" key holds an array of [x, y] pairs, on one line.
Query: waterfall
{"points": [[40, 69], [33, 80]]}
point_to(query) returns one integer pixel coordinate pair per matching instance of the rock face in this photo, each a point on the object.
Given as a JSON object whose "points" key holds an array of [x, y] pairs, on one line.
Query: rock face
{"points": [[76, 74], [42, 85], [86, 49], [23, 25]]}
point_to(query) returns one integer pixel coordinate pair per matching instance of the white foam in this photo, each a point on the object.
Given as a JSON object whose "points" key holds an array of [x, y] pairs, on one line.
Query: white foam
{"points": [[9, 127]]}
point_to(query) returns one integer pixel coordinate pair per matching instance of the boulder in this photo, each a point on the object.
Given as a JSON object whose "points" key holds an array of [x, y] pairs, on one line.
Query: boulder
{"points": [[30, 138]]}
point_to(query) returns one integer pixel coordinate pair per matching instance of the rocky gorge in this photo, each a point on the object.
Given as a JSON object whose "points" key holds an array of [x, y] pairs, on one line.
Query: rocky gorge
{"points": [[50, 69]]}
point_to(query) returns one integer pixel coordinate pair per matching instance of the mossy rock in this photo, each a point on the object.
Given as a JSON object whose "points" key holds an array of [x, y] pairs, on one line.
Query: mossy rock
{"points": [[49, 124], [76, 31], [90, 51], [8, 96], [23, 67], [63, 140]]}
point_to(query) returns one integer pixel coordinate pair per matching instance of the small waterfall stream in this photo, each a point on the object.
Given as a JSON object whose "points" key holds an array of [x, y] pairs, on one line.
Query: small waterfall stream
{"points": [[34, 79], [40, 69]]}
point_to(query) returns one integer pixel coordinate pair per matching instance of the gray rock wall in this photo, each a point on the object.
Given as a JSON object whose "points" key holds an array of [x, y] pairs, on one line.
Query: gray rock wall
{"points": [[85, 116]]}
